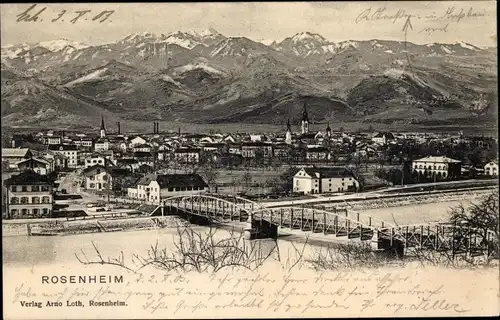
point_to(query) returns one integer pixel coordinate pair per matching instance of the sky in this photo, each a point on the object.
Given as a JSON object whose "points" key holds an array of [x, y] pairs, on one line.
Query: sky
{"points": [[472, 22]]}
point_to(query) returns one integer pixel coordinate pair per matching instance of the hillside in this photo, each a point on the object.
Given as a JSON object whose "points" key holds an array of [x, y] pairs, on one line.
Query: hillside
{"points": [[206, 77]]}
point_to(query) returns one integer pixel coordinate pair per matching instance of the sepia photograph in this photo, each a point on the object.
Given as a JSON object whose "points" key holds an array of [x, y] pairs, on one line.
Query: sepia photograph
{"points": [[249, 159]]}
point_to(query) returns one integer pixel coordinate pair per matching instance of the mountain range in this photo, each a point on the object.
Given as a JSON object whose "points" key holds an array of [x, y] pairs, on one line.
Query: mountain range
{"points": [[206, 77]]}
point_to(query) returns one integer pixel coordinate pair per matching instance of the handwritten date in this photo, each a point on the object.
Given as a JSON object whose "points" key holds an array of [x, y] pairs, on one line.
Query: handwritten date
{"points": [[34, 14]]}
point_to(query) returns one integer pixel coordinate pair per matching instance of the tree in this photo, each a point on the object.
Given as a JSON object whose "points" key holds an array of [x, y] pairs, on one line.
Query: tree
{"points": [[210, 173], [481, 217], [247, 179]]}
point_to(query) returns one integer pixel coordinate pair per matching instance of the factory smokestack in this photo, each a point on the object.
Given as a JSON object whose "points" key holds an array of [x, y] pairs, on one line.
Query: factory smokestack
{"points": [[118, 125]]}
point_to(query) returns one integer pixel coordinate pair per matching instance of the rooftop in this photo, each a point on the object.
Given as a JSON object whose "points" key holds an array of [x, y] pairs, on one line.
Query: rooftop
{"points": [[437, 159], [28, 177], [14, 152]]}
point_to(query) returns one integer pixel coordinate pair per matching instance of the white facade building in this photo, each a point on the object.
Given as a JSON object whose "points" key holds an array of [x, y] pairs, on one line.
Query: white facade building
{"points": [[491, 169], [324, 180]]}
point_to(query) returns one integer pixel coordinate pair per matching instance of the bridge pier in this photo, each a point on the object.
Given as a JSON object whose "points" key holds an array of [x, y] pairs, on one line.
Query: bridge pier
{"points": [[260, 230], [392, 246]]}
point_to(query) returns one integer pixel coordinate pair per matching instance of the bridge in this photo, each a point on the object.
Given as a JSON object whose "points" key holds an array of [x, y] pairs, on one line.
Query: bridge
{"points": [[340, 224]]}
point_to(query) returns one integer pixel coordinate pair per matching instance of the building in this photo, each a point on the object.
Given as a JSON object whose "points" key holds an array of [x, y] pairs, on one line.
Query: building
{"points": [[53, 140], [383, 137], [12, 156], [101, 144], [155, 188], [441, 167], [318, 154], [97, 158], [29, 195], [324, 180], [142, 148], [67, 150], [136, 141], [39, 165], [98, 178], [127, 163], [255, 149], [187, 155], [84, 142], [491, 169]]}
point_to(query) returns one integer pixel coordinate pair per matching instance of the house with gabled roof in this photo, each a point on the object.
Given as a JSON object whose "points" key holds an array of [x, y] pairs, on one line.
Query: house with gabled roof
{"points": [[324, 180], [158, 187], [13, 155]]}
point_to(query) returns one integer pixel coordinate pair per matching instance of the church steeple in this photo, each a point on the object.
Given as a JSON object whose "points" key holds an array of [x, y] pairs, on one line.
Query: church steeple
{"points": [[305, 116], [103, 129], [328, 130], [288, 134], [305, 121]]}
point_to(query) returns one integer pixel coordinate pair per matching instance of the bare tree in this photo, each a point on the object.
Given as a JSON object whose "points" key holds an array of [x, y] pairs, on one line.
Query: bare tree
{"points": [[480, 219]]}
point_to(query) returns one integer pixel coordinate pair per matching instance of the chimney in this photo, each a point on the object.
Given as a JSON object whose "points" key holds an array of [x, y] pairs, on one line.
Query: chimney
{"points": [[154, 127], [118, 125], [157, 127]]}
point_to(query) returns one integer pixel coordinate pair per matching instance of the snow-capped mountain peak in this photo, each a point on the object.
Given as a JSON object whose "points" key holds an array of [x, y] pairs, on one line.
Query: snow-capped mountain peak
{"points": [[60, 44], [308, 36]]}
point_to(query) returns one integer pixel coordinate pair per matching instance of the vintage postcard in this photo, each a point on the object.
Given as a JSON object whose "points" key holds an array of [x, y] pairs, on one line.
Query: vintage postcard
{"points": [[249, 160]]}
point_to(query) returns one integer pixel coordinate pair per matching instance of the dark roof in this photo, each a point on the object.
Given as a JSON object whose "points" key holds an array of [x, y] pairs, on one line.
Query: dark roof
{"points": [[187, 150], [126, 161], [142, 154], [181, 180], [144, 145], [318, 149], [310, 135], [90, 170], [195, 135], [28, 177], [64, 147], [330, 172]]}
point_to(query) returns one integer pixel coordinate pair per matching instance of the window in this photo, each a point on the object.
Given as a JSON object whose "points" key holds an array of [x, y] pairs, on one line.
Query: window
{"points": [[13, 212], [35, 200], [14, 200], [24, 188], [13, 188], [342, 184], [45, 200], [24, 200], [104, 177], [24, 212], [104, 185], [45, 211], [45, 188], [170, 189], [36, 211], [98, 171], [35, 188]]}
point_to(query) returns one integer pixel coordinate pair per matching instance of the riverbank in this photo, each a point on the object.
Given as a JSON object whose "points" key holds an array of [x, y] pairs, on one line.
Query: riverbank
{"points": [[59, 227]]}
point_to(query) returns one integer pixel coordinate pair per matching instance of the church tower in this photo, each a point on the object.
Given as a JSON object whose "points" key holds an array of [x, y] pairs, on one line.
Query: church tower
{"points": [[305, 121], [103, 130], [288, 135], [328, 130]]}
